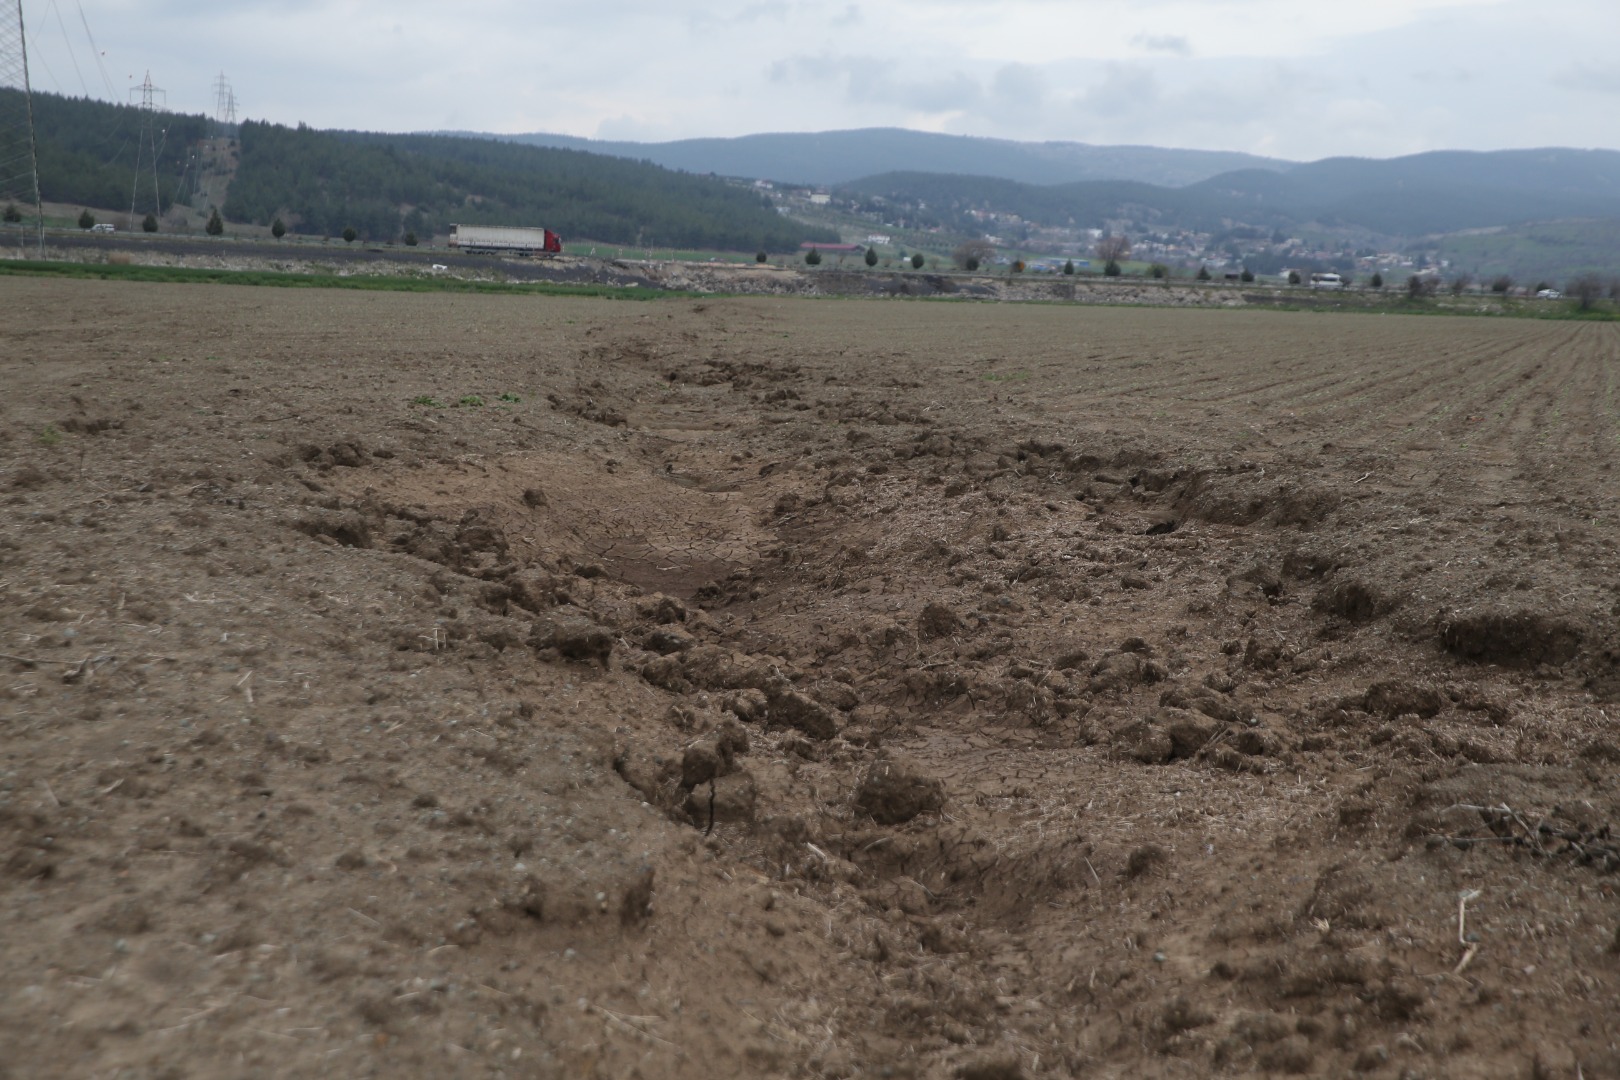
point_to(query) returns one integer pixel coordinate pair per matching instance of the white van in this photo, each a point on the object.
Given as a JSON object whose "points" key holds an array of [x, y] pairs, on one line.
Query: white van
{"points": [[103, 227]]}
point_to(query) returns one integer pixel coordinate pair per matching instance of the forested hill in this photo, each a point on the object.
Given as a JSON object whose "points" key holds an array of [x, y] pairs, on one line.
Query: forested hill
{"points": [[385, 185], [1424, 194], [87, 150]]}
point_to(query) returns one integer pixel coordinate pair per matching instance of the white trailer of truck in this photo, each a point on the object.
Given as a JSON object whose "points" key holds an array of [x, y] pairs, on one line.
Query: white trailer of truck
{"points": [[503, 240]]}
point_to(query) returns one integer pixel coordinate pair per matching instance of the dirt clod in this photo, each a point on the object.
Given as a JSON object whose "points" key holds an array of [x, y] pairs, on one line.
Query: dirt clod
{"points": [[669, 639], [1189, 732], [937, 621], [1124, 670], [1353, 599], [713, 755], [1145, 859], [729, 799], [576, 638], [1512, 638], [794, 709], [1392, 698], [894, 791]]}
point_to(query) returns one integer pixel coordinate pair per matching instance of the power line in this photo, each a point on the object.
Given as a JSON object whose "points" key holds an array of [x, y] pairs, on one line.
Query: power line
{"points": [[39, 61], [106, 77], [19, 152], [72, 56]]}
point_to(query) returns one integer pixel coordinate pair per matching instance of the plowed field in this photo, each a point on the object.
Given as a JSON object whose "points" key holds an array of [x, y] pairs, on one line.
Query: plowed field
{"points": [[421, 686]]}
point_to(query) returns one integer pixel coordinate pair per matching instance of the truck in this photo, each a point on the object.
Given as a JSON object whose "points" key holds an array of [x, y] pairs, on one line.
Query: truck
{"points": [[504, 240]]}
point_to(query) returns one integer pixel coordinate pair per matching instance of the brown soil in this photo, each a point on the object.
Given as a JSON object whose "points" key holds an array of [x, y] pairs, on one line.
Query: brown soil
{"points": [[802, 688]]}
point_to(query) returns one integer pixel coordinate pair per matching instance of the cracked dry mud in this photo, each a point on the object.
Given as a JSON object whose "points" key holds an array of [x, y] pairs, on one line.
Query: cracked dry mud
{"points": [[784, 688]]}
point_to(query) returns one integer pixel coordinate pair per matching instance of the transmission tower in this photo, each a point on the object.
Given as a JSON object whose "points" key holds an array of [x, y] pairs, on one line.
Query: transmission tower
{"points": [[224, 102], [152, 98], [19, 153]]}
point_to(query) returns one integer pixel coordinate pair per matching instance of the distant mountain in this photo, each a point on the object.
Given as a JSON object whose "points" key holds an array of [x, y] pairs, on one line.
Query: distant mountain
{"points": [[837, 157], [1424, 194], [1437, 192]]}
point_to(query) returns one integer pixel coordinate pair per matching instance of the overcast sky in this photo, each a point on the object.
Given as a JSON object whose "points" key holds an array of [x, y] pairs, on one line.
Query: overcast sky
{"points": [[1298, 79]]}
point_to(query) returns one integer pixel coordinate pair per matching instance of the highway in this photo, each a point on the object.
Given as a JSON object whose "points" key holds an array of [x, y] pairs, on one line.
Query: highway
{"points": [[334, 253]]}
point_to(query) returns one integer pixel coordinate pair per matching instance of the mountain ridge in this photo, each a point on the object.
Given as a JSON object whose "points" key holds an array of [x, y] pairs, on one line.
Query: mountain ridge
{"points": [[1433, 193], [834, 157], [942, 179]]}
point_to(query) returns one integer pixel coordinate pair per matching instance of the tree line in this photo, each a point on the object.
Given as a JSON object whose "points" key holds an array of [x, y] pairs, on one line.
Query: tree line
{"points": [[387, 186], [88, 149]]}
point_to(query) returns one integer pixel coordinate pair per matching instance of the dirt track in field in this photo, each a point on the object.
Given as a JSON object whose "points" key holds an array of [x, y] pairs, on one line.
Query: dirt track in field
{"points": [[802, 688]]}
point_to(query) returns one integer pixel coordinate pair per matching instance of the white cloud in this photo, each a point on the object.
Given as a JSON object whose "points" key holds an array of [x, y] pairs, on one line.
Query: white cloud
{"points": [[871, 81]]}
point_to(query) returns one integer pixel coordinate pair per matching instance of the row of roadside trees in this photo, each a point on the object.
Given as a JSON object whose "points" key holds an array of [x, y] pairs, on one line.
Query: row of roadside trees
{"points": [[1585, 289], [215, 226], [1112, 250], [149, 223]]}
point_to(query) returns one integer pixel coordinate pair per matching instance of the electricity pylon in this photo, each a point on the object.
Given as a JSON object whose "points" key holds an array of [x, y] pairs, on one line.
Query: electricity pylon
{"points": [[19, 153], [224, 103], [144, 141]]}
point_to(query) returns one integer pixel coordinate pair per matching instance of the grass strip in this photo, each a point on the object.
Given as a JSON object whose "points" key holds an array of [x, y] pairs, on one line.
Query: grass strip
{"points": [[364, 282]]}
